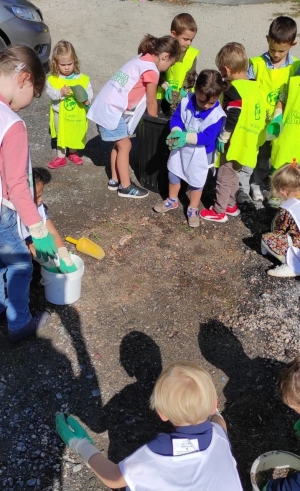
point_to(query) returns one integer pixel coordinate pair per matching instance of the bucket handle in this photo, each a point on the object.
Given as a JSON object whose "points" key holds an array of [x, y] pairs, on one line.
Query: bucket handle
{"points": [[44, 282]]}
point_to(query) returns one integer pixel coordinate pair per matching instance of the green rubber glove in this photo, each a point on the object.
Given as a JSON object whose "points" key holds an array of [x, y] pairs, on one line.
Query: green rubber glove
{"points": [[220, 146], [69, 429], [176, 139], [265, 488], [65, 268], [274, 128], [168, 94], [42, 241], [182, 93], [66, 264], [297, 428]]}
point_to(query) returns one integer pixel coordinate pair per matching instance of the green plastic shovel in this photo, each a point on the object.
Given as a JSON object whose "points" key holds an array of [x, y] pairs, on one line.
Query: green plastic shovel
{"points": [[80, 94]]}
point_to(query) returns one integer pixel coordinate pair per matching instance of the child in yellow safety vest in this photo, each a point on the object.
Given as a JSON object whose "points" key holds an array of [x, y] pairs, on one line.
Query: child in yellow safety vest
{"points": [[68, 122], [272, 71], [239, 140], [184, 29], [284, 127]]}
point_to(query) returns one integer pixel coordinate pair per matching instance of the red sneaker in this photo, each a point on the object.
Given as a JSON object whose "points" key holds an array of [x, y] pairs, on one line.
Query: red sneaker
{"points": [[75, 159], [213, 216], [232, 211], [57, 162]]}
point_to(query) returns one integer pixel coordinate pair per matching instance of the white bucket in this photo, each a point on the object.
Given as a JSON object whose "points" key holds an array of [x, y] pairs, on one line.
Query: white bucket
{"points": [[63, 289], [272, 460]]}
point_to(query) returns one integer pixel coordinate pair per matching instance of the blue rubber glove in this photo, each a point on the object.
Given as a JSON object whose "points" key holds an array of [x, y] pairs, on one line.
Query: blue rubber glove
{"points": [[69, 429], [42, 241], [220, 146], [274, 128], [182, 93], [168, 94]]}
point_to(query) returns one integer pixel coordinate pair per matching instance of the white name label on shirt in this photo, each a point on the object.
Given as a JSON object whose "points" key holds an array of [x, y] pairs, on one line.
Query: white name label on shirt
{"points": [[182, 446]]}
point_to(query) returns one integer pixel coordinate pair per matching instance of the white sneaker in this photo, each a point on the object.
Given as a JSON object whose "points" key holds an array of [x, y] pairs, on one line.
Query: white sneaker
{"points": [[256, 192], [283, 271]]}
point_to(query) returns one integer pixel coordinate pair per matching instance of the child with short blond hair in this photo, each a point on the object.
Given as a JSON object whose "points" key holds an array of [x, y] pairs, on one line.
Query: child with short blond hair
{"points": [[289, 391], [195, 456], [283, 242]]}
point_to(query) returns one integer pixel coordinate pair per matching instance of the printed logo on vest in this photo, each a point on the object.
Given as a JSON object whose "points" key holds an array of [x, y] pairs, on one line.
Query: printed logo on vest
{"points": [[121, 78], [272, 97], [69, 103], [293, 117], [174, 84], [257, 112]]}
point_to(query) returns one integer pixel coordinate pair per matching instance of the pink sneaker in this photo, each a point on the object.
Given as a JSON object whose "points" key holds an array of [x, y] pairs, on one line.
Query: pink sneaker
{"points": [[75, 159], [213, 216], [232, 211], [57, 162]]}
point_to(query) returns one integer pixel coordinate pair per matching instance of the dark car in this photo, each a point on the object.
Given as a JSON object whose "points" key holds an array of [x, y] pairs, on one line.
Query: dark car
{"points": [[21, 22]]}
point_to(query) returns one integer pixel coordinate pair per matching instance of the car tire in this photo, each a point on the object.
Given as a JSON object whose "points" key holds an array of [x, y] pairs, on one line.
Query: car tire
{"points": [[3, 44]]}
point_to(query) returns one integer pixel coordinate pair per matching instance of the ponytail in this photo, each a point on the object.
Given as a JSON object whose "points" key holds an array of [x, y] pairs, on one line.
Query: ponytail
{"points": [[156, 46]]}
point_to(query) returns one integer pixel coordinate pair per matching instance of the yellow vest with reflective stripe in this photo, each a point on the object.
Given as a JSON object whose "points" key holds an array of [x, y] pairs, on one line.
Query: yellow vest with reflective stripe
{"points": [[244, 141], [287, 146], [72, 121], [176, 74], [272, 81]]}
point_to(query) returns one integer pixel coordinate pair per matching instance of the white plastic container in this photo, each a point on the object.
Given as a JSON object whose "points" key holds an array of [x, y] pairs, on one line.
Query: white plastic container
{"points": [[272, 460], [63, 289]]}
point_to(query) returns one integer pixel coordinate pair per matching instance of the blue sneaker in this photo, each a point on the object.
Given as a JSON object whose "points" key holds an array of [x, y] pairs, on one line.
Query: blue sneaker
{"points": [[113, 185], [133, 191], [36, 324]]}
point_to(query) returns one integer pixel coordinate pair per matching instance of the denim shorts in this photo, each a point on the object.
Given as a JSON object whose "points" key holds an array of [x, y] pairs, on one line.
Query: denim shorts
{"points": [[119, 133]]}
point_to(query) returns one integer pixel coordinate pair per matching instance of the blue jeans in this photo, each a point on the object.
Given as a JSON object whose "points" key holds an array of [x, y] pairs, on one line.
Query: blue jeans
{"points": [[16, 263]]}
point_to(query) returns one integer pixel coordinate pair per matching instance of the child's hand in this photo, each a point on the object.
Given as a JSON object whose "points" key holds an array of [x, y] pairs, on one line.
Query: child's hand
{"points": [[168, 94], [65, 91], [74, 435], [220, 146]]}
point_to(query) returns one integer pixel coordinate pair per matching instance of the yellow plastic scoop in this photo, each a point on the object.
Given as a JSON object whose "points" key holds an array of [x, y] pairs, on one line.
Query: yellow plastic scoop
{"points": [[88, 247]]}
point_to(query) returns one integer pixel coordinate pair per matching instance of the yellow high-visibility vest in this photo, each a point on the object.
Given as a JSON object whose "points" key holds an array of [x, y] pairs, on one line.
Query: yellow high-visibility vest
{"points": [[176, 74], [72, 121], [287, 146]]}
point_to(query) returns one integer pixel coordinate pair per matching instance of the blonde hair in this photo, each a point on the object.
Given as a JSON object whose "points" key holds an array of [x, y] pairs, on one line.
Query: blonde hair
{"points": [[22, 59], [63, 48], [234, 56], [184, 393], [289, 383], [287, 178]]}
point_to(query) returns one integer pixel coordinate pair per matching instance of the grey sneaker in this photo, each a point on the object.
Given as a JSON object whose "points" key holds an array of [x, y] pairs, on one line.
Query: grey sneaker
{"points": [[133, 191], [265, 249], [36, 324], [243, 197], [113, 185], [193, 218], [283, 271], [165, 206]]}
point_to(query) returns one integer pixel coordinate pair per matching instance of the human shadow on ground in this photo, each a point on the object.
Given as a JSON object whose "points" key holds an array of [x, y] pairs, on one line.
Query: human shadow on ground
{"points": [[37, 380], [257, 420], [98, 151], [127, 416]]}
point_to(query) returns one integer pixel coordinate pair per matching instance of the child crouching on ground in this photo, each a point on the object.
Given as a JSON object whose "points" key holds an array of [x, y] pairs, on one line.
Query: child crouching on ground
{"points": [[284, 240], [195, 127], [41, 177], [289, 390], [195, 456]]}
